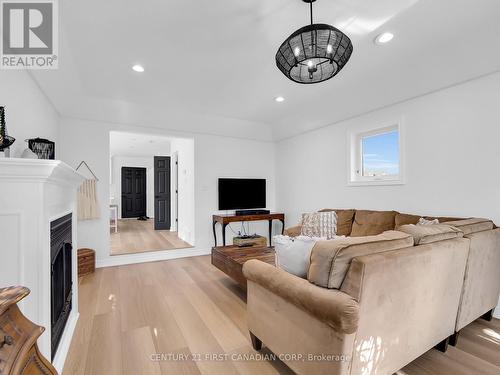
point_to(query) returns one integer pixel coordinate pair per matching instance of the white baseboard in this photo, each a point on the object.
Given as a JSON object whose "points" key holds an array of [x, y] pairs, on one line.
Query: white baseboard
{"points": [[64, 344], [153, 256]]}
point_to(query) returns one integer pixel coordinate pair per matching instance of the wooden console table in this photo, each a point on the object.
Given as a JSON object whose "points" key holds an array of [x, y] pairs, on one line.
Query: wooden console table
{"points": [[224, 220]]}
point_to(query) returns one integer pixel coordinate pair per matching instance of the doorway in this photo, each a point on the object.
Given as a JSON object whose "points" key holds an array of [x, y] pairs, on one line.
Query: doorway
{"points": [[151, 178], [133, 192]]}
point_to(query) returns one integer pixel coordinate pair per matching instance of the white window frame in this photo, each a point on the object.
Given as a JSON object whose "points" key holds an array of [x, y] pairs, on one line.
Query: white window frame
{"points": [[355, 156]]}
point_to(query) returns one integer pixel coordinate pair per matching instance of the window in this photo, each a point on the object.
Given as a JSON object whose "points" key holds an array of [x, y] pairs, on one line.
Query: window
{"points": [[376, 156]]}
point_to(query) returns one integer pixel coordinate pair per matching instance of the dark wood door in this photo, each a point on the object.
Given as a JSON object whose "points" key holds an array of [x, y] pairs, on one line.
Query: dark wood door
{"points": [[133, 192], [162, 192]]}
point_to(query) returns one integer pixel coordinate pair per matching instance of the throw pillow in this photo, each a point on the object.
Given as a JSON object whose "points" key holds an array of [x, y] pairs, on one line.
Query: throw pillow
{"points": [[345, 218], [292, 254], [319, 224], [423, 221]]}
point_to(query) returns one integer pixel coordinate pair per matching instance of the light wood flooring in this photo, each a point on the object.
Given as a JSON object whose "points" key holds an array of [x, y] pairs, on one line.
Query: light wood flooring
{"points": [[187, 306], [136, 236]]}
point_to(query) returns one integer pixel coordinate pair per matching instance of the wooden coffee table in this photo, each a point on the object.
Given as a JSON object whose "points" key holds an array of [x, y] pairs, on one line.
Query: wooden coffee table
{"points": [[230, 260]]}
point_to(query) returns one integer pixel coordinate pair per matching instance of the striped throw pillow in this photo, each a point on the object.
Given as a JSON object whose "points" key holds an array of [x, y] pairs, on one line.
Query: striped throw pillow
{"points": [[319, 224]]}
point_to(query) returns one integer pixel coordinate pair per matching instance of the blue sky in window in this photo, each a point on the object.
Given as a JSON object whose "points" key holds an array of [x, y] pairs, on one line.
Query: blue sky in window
{"points": [[381, 154]]}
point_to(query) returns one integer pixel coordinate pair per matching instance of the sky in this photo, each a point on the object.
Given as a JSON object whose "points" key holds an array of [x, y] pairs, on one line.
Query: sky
{"points": [[381, 154]]}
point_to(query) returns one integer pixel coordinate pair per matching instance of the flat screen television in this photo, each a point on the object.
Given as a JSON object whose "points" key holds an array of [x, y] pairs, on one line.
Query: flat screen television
{"points": [[242, 193]]}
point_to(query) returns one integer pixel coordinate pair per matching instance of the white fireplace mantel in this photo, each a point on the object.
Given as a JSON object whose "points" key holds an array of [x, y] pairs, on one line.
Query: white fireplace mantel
{"points": [[35, 170], [32, 194]]}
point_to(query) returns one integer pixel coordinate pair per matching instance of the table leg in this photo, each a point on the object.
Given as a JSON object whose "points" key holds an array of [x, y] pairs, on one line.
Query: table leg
{"points": [[270, 232], [224, 234], [215, 233], [282, 226]]}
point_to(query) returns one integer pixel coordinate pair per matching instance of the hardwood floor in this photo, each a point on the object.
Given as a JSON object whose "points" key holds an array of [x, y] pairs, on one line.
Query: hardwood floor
{"points": [[188, 307], [135, 236]]}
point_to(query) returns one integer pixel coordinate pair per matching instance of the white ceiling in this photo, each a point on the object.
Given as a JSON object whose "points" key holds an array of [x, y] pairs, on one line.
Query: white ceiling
{"points": [[132, 144], [210, 64]]}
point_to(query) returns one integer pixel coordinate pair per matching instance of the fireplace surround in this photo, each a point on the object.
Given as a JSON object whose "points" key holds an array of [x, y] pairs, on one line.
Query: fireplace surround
{"points": [[38, 198]]}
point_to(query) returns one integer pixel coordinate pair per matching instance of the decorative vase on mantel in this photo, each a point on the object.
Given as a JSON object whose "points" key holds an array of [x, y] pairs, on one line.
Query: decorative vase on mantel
{"points": [[5, 140]]}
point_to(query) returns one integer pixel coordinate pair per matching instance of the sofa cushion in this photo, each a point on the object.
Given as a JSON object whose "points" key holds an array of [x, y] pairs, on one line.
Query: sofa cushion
{"points": [[371, 223], [345, 218], [330, 260], [469, 226], [424, 234], [403, 219]]}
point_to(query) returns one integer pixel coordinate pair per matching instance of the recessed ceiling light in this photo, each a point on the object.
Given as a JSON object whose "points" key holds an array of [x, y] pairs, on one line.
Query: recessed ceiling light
{"points": [[384, 38], [279, 99], [138, 68]]}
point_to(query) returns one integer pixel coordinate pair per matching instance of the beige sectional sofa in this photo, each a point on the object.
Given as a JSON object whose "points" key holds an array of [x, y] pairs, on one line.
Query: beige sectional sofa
{"points": [[482, 278], [378, 299]]}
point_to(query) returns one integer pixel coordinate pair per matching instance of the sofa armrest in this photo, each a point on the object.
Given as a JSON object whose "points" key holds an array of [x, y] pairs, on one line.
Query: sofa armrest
{"points": [[293, 231], [333, 307]]}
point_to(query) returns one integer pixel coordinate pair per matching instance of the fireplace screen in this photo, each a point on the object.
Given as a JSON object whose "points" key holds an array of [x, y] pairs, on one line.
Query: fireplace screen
{"points": [[61, 279]]}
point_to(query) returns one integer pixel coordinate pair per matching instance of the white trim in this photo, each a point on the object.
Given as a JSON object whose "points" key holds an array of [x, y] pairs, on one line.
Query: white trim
{"points": [[64, 344], [153, 256], [382, 182], [174, 198], [354, 160]]}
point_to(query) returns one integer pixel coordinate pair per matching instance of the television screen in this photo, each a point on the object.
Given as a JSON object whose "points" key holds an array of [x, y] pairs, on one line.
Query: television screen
{"points": [[242, 193]]}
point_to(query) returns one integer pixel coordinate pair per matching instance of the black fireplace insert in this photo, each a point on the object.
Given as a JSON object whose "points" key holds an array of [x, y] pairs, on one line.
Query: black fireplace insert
{"points": [[61, 280]]}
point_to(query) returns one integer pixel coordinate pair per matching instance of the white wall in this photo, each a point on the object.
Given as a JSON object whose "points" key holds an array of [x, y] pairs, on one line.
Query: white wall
{"points": [[184, 149], [29, 114], [117, 162], [214, 156], [452, 158]]}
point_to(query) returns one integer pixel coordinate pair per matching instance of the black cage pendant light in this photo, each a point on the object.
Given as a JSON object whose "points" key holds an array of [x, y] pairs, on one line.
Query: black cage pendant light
{"points": [[314, 53]]}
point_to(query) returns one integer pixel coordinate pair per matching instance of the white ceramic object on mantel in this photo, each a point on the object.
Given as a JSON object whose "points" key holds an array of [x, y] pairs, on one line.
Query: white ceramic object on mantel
{"points": [[28, 154]]}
